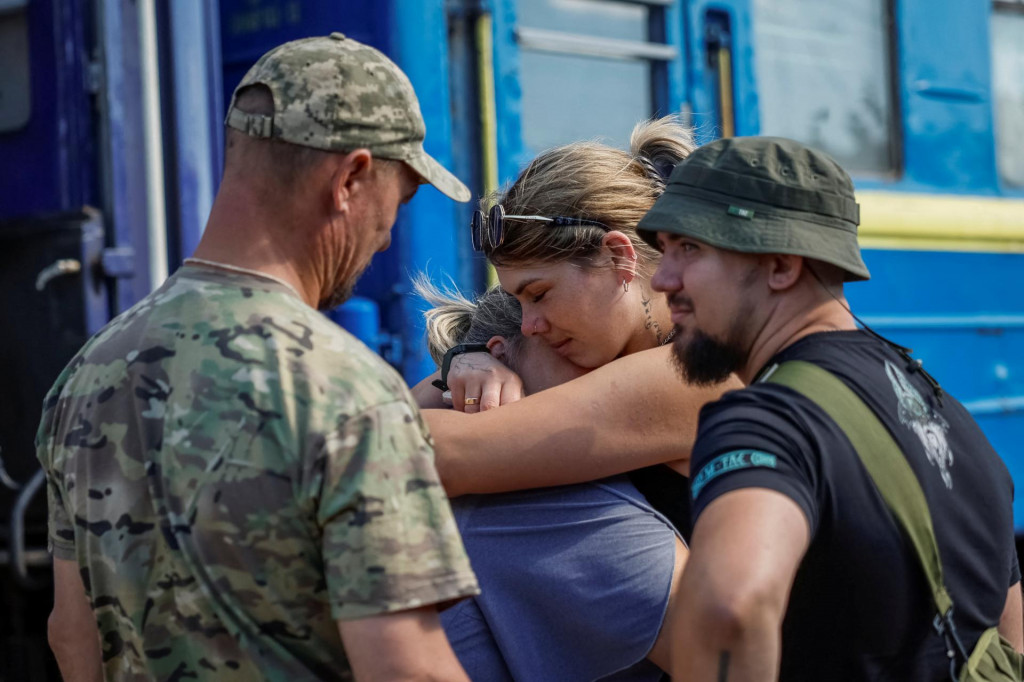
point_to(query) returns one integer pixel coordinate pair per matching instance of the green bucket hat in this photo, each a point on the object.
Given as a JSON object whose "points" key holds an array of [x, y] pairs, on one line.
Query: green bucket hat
{"points": [[762, 195], [337, 94]]}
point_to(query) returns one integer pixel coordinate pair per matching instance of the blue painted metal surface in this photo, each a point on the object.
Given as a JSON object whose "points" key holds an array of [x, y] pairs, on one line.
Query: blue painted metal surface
{"points": [[123, 167], [512, 153], [466, 132], [118, 262], [426, 238], [361, 317], [251, 27], [198, 138], [956, 311], [1003, 405], [675, 97], [49, 164], [702, 89], [948, 143], [95, 302]]}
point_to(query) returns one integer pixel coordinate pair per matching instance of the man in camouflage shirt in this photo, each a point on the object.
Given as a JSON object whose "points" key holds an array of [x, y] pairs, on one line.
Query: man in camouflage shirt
{"points": [[237, 487]]}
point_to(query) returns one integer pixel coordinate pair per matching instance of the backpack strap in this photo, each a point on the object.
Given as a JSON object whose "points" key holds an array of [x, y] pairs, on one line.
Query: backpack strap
{"points": [[885, 463]]}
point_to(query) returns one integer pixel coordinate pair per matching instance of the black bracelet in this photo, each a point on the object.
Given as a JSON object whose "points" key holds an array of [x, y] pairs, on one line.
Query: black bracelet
{"points": [[442, 383]]}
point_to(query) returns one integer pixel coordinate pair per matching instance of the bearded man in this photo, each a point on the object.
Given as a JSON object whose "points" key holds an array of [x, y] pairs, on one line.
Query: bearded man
{"points": [[798, 570]]}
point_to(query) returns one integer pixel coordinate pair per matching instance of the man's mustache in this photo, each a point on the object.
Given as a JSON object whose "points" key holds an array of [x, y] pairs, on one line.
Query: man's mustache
{"points": [[680, 300]]}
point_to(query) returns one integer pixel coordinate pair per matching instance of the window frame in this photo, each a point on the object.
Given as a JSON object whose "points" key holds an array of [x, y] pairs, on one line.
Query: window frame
{"points": [[895, 119], [663, 53], [1005, 186]]}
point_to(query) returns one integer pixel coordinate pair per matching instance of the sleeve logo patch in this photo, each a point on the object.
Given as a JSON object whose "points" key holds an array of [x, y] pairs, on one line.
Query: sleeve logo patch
{"points": [[731, 461]]}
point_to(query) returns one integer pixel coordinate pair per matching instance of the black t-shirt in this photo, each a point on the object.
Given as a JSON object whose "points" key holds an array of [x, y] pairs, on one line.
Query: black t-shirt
{"points": [[860, 608], [666, 490]]}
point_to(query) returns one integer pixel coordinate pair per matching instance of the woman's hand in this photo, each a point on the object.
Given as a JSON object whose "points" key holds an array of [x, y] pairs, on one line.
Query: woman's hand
{"points": [[481, 376]]}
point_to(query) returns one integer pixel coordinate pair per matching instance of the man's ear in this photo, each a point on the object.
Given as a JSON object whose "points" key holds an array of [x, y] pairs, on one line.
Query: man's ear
{"points": [[622, 252], [783, 270], [351, 174], [498, 346]]}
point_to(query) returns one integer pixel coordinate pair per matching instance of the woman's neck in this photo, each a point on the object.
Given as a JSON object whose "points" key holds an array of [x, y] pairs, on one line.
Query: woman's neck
{"points": [[653, 321]]}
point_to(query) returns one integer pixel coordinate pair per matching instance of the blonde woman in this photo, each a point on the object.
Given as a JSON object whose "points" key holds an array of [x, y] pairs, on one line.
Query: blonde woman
{"points": [[564, 243], [576, 580]]}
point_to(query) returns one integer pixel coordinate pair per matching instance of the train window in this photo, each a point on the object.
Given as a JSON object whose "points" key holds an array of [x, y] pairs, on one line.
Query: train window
{"points": [[586, 69], [602, 19], [599, 100], [824, 77], [1008, 86], [15, 95]]}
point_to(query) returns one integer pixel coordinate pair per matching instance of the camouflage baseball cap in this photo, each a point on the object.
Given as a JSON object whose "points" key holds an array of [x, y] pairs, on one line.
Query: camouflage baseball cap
{"points": [[762, 195], [337, 94]]}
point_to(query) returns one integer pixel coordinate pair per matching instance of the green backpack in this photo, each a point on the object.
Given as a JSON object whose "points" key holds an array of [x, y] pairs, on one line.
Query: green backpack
{"points": [[993, 658]]}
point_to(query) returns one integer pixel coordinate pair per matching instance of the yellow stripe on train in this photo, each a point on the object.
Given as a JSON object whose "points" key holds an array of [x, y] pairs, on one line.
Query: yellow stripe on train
{"points": [[934, 222]]}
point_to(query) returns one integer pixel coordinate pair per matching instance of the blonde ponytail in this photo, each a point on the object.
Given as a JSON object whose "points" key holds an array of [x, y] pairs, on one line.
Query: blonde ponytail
{"points": [[454, 319]]}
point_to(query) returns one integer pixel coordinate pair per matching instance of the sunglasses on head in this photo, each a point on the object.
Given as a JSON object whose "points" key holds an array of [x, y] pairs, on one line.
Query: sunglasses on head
{"points": [[493, 225]]}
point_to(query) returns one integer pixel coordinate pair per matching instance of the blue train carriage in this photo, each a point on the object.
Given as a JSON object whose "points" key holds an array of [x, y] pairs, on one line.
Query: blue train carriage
{"points": [[922, 101], [111, 147]]}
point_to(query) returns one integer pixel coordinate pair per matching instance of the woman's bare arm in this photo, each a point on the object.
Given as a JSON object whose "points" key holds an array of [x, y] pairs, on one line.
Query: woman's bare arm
{"points": [[631, 413]]}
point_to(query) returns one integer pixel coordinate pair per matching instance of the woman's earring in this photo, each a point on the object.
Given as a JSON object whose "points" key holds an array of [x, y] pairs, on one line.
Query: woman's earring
{"points": [[625, 286]]}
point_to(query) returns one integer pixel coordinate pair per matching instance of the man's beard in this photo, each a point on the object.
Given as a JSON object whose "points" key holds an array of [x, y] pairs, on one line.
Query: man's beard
{"points": [[342, 292], [703, 360], [338, 296]]}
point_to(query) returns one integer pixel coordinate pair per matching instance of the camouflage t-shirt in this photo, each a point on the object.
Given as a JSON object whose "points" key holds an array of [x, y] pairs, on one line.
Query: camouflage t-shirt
{"points": [[233, 472]]}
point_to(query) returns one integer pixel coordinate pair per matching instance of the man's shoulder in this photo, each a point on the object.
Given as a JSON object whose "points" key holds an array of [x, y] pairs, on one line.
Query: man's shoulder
{"points": [[764, 426], [756, 401], [225, 341], [252, 322], [771, 403]]}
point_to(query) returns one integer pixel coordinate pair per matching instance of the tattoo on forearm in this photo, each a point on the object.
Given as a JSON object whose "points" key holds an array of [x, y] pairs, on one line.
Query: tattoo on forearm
{"points": [[723, 666]]}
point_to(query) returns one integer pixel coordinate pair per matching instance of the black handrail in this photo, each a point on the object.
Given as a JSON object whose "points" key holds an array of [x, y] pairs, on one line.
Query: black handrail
{"points": [[17, 532]]}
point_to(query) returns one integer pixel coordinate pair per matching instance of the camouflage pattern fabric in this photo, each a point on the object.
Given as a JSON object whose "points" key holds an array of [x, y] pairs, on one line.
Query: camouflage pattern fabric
{"points": [[233, 472], [337, 94]]}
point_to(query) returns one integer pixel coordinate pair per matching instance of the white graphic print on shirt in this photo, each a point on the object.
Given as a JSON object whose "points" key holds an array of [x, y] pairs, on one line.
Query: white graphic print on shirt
{"points": [[930, 427]]}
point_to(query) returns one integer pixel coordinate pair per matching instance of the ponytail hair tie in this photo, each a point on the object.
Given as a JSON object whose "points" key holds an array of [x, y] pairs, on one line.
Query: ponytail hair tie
{"points": [[657, 172]]}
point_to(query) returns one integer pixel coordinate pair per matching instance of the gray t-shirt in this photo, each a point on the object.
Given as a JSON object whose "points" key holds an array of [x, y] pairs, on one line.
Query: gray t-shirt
{"points": [[575, 579]]}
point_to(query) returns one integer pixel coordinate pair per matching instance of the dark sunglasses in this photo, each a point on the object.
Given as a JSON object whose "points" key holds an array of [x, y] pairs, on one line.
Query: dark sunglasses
{"points": [[494, 225]]}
